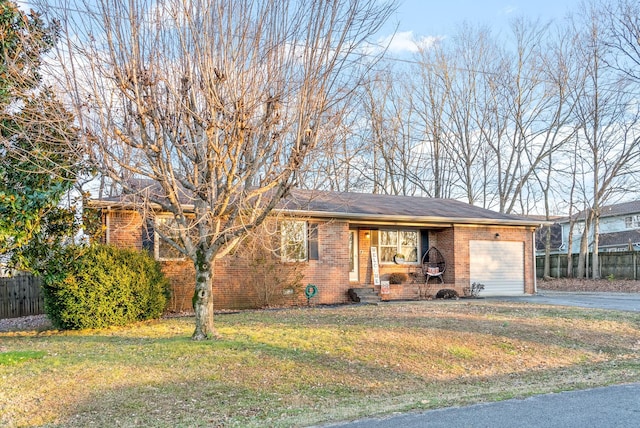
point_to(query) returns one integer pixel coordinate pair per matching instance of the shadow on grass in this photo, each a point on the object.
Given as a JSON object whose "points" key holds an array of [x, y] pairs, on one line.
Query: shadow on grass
{"points": [[202, 401], [298, 367]]}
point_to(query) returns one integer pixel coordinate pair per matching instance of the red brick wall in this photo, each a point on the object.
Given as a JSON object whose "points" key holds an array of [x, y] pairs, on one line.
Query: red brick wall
{"points": [[331, 272], [365, 272], [445, 241], [124, 229], [462, 234], [182, 276], [453, 243]]}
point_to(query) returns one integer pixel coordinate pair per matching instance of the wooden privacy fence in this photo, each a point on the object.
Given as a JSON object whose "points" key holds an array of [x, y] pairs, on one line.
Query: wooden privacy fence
{"points": [[619, 265], [20, 296]]}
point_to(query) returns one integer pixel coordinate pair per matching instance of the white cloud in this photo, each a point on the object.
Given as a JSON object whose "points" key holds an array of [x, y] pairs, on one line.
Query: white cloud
{"points": [[405, 41], [509, 10]]}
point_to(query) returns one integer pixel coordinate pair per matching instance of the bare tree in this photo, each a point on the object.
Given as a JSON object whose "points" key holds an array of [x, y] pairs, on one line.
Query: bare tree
{"points": [[607, 113], [559, 67], [623, 38], [218, 103], [573, 177], [393, 154], [475, 60], [490, 114], [524, 111], [338, 162], [376, 98], [431, 87]]}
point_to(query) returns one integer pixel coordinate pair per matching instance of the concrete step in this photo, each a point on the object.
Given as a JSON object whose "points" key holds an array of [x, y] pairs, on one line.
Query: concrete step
{"points": [[364, 295]]}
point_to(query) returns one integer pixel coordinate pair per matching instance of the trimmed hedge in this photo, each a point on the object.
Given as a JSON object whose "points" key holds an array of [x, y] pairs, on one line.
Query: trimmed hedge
{"points": [[102, 286]]}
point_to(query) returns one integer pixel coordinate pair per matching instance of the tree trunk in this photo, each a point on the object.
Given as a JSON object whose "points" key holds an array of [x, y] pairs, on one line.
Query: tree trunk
{"points": [[583, 261], [203, 302], [570, 247], [547, 254], [595, 260], [583, 257]]}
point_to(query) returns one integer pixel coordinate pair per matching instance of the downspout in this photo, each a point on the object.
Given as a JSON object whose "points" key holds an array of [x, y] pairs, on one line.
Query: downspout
{"points": [[107, 225], [535, 262]]}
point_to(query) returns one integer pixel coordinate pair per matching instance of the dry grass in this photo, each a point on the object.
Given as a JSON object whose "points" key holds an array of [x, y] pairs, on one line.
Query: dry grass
{"points": [[606, 285], [299, 367]]}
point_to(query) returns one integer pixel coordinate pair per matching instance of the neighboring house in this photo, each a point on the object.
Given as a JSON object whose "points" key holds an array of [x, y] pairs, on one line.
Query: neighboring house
{"points": [[330, 236], [541, 235], [619, 229]]}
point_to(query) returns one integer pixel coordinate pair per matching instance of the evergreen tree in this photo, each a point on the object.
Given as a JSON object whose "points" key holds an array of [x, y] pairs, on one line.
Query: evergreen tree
{"points": [[39, 155]]}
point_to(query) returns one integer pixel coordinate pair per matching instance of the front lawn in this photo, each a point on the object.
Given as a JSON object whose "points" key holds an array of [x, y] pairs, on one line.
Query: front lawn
{"points": [[300, 367]]}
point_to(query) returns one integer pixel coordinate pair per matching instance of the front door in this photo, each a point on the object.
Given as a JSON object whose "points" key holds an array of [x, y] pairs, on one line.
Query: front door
{"points": [[353, 255]]}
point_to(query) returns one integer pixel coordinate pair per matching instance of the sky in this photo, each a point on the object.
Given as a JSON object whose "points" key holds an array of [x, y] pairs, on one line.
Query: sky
{"points": [[421, 20]]}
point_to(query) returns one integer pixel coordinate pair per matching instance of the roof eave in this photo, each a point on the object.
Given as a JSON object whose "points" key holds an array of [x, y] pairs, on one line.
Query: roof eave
{"points": [[358, 217], [412, 219], [101, 203]]}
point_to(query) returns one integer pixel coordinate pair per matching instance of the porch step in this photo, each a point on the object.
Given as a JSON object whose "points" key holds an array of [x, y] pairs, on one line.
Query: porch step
{"points": [[364, 295]]}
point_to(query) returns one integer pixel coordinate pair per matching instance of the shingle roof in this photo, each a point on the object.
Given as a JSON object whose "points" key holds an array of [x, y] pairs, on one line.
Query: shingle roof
{"points": [[624, 208], [370, 207], [392, 207], [620, 209], [618, 238]]}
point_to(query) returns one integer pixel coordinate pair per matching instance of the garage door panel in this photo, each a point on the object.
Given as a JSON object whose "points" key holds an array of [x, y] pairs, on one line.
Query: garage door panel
{"points": [[499, 266]]}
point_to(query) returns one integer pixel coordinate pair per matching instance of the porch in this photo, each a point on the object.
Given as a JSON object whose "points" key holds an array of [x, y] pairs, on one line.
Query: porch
{"points": [[394, 261], [404, 283]]}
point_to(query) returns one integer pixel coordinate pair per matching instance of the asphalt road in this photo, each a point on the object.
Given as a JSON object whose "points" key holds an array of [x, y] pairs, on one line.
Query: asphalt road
{"points": [[615, 301], [615, 406]]}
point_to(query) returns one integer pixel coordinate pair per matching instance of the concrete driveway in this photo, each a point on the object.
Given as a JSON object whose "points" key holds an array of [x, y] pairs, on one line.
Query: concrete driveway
{"points": [[614, 301], [615, 406]]}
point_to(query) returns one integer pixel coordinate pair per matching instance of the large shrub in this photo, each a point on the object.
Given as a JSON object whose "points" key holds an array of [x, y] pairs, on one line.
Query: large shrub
{"points": [[101, 286]]}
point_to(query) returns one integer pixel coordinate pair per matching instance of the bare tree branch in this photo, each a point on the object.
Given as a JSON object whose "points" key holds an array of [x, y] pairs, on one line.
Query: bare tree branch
{"points": [[218, 103]]}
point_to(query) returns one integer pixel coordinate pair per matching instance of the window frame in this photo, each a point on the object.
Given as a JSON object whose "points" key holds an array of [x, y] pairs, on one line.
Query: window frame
{"points": [[398, 245], [303, 244], [578, 228], [632, 221], [158, 241]]}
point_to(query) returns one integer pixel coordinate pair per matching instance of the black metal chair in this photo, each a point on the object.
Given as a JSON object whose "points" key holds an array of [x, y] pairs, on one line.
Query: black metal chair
{"points": [[433, 265]]}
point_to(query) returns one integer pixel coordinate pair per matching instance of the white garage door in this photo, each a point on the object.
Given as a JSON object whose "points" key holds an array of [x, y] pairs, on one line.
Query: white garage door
{"points": [[499, 266]]}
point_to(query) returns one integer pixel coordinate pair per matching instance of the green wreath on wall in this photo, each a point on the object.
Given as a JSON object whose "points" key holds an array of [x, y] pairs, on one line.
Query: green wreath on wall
{"points": [[310, 291]]}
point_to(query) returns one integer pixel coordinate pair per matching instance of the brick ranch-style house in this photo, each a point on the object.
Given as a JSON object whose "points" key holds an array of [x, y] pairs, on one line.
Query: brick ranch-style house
{"points": [[328, 237]]}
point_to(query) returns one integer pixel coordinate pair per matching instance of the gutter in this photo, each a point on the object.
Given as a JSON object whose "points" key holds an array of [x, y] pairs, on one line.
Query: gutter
{"points": [[403, 219], [365, 218], [96, 203]]}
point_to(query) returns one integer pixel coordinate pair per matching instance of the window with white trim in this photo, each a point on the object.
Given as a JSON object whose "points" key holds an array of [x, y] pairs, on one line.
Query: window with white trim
{"points": [[632, 222], [398, 242], [578, 228], [293, 241], [162, 249]]}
